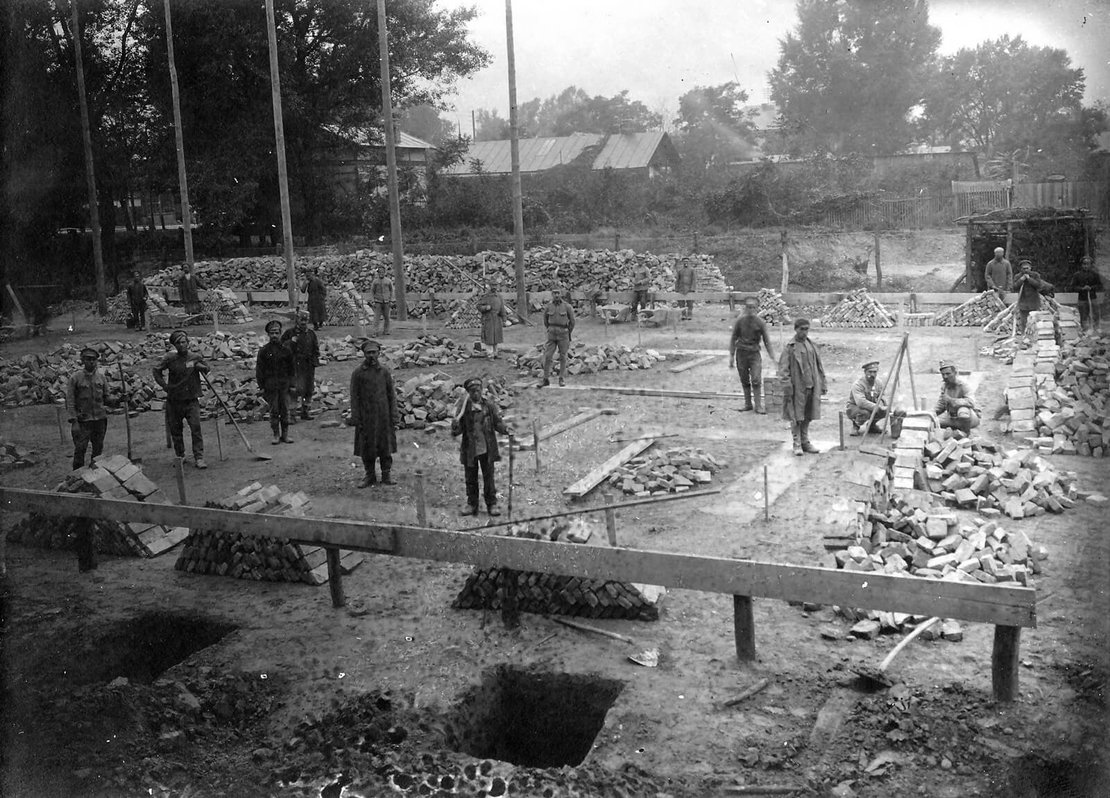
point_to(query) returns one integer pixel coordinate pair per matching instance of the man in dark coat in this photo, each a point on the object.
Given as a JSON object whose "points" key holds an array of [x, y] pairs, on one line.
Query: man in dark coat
{"points": [[274, 372], [1029, 285], [183, 394], [478, 421], [136, 298], [304, 345], [374, 414], [492, 308], [686, 282], [1087, 284], [803, 385], [190, 286], [317, 294], [87, 405]]}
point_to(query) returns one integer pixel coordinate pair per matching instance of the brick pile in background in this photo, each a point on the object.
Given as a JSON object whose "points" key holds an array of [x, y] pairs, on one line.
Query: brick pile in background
{"points": [[582, 359], [975, 312], [858, 309]]}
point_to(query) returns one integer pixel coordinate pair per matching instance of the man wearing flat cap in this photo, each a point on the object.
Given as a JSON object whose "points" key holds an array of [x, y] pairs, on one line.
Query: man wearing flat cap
{"points": [[305, 346], [478, 421], [1087, 282], [182, 394], [274, 372], [865, 398], [374, 415], [956, 407], [803, 384], [86, 398], [748, 332], [1029, 285], [558, 319], [998, 273]]}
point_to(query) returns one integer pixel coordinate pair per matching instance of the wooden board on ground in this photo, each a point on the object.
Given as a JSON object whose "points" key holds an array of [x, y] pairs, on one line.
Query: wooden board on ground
{"points": [[598, 475], [565, 424], [693, 364], [653, 392]]}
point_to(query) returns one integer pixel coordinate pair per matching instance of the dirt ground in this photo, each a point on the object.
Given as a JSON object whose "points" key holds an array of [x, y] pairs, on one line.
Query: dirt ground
{"points": [[248, 689]]}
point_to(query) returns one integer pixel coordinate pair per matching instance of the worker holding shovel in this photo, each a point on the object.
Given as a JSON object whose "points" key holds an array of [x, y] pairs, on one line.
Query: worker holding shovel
{"points": [[478, 421], [182, 395], [1087, 284]]}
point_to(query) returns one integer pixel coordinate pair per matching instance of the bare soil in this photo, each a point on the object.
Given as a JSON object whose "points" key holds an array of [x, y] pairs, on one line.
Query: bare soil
{"points": [[246, 688]]}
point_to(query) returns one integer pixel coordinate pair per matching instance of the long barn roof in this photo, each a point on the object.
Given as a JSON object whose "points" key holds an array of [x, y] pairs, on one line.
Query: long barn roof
{"points": [[618, 151]]}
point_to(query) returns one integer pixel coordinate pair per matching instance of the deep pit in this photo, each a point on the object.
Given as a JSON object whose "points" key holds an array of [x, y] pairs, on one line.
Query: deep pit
{"points": [[143, 648], [533, 718]]}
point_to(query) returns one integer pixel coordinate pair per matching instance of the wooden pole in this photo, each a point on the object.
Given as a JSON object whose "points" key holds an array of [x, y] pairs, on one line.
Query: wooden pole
{"points": [[785, 263], [514, 157], [179, 472], [878, 265], [90, 170], [909, 371], [895, 364], [512, 459], [840, 421], [335, 578], [391, 167], [510, 610], [1004, 662], [766, 496], [611, 525], [665, 497], [182, 180], [743, 626], [421, 501], [61, 431], [536, 443], [283, 173], [894, 386], [219, 437]]}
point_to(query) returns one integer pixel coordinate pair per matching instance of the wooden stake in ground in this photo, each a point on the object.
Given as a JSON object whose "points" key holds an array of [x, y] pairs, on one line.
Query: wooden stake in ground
{"points": [[61, 432], [766, 496], [512, 458], [421, 502], [335, 577], [179, 472], [536, 443]]}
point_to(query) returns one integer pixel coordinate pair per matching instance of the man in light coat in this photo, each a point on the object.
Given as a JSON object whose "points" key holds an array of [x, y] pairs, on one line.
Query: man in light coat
{"points": [[803, 384]]}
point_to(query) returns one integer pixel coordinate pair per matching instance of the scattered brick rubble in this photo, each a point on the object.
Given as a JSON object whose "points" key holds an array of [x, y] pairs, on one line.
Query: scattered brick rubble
{"points": [[658, 471], [113, 477], [584, 359], [1073, 408], [858, 309], [12, 455]]}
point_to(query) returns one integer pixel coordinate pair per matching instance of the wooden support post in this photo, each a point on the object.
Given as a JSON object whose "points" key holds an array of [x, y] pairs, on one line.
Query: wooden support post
{"points": [[766, 496], [785, 263], [878, 264], [1004, 662], [61, 431], [219, 438], [179, 472], [536, 442], [743, 624], [335, 578], [611, 525], [840, 421], [421, 501]]}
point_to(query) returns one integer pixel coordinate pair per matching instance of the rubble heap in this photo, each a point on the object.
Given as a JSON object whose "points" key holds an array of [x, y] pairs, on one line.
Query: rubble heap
{"points": [[582, 359], [269, 559], [552, 593], [12, 455], [226, 305], [119, 308], [772, 307], [1073, 416], [113, 477], [427, 350], [975, 312], [345, 307], [668, 471], [858, 309]]}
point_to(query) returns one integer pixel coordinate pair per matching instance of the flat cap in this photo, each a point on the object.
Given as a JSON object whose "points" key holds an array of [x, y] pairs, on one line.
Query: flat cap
{"points": [[946, 364], [472, 381], [88, 351], [371, 345], [178, 335], [273, 326], [869, 364]]}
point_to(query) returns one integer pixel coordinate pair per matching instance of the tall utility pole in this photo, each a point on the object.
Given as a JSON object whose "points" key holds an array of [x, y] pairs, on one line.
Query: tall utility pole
{"points": [[283, 172], [183, 183], [391, 168], [90, 171], [514, 151]]}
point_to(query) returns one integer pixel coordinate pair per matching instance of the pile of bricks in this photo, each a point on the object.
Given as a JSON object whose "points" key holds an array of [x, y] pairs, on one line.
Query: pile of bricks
{"points": [[113, 477], [772, 307], [262, 558], [975, 312], [561, 595], [427, 350], [1074, 398], [917, 431], [582, 359], [668, 471], [344, 306], [119, 308], [858, 309], [918, 319], [12, 455], [226, 306]]}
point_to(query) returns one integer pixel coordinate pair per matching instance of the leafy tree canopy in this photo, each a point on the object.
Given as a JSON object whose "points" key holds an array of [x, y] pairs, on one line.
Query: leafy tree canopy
{"points": [[712, 127], [571, 111]]}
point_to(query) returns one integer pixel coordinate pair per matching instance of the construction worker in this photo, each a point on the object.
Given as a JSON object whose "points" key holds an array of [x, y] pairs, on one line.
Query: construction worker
{"points": [[190, 286], [558, 319], [374, 415], [492, 308], [998, 273], [641, 285], [317, 294], [274, 372], [478, 421], [686, 282], [956, 408], [183, 395], [1029, 285], [381, 297], [803, 385], [867, 396], [1087, 284], [86, 403], [743, 350], [305, 346], [136, 297]]}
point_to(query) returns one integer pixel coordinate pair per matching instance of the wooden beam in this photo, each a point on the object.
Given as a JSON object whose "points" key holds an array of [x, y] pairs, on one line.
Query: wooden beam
{"points": [[1005, 660], [998, 604], [595, 477], [569, 423], [693, 364], [631, 391], [743, 627]]}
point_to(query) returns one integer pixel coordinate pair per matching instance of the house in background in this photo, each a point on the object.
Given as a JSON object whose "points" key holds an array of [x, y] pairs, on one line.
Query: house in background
{"points": [[354, 158]]}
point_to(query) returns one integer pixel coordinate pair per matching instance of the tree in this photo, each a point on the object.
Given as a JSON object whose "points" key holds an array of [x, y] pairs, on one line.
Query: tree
{"points": [[712, 127], [1009, 99], [424, 122], [489, 126], [852, 72]]}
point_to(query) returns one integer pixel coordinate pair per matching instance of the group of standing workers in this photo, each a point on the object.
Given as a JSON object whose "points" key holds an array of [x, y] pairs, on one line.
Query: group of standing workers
{"points": [[1031, 286]]}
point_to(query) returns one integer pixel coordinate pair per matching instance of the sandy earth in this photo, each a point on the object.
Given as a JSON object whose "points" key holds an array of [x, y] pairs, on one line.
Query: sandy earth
{"points": [[389, 693]]}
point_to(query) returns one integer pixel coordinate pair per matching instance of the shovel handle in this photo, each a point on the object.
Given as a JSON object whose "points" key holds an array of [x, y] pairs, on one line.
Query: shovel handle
{"points": [[921, 627]]}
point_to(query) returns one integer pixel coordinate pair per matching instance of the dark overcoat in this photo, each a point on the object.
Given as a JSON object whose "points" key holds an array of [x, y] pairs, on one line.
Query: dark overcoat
{"points": [[374, 411], [794, 406], [492, 308], [492, 424]]}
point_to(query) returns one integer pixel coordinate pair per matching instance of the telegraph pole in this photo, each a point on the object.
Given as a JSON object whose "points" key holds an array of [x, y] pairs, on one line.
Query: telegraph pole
{"points": [[514, 151], [391, 168], [283, 172], [183, 182]]}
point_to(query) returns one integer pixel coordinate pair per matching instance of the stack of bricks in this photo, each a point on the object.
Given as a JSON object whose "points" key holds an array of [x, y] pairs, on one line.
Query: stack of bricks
{"points": [[1021, 392], [976, 312], [226, 307], [674, 470], [553, 593], [345, 306], [858, 309], [1074, 417], [772, 307], [262, 558], [917, 429], [918, 319], [113, 477]]}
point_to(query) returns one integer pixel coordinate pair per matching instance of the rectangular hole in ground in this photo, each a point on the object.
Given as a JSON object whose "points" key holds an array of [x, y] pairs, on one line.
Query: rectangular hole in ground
{"points": [[533, 718], [144, 647]]}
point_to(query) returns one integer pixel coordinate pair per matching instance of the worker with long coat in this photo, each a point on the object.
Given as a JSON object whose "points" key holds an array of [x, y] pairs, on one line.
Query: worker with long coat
{"points": [[803, 384], [317, 294], [478, 421], [305, 346], [374, 415], [274, 372], [492, 308], [190, 286]]}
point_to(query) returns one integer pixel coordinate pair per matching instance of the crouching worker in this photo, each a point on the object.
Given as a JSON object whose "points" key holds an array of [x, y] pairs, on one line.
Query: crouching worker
{"points": [[956, 408], [478, 421], [865, 398]]}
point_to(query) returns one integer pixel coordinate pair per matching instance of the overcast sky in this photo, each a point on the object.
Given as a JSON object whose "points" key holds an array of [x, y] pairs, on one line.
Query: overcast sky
{"points": [[660, 49]]}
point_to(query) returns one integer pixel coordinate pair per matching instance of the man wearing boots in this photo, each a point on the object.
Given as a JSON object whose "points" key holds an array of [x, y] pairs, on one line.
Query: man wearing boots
{"points": [[803, 385], [865, 397], [183, 394], [86, 402], [274, 372], [381, 297], [305, 346], [743, 351], [478, 421], [374, 415], [136, 298], [558, 318], [956, 408], [686, 282], [317, 294]]}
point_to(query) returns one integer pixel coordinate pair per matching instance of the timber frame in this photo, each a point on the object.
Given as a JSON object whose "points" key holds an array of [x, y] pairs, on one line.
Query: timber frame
{"points": [[1009, 608]]}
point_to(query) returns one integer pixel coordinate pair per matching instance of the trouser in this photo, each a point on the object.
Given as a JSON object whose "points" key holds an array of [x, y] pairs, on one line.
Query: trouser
{"points": [[687, 306], [859, 416], [963, 419], [138, 313], [84, 433], [316, 317], [556, 339], [386, 461], [186, 411], [484, 462], [381, 311], [1022, 319], [305, 383], [1088, 314], [750, 367], [639, 298], [277, 397]]}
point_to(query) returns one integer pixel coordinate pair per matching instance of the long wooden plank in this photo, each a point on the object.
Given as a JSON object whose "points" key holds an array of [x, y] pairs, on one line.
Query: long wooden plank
{"points": [[567, 423], [596, 475], [693, 364], [997, 604], [632, 391]]}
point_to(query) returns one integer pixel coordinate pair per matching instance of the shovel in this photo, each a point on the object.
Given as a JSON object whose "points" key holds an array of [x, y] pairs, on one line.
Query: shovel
{"points": [[876, 678], [223, 404], [127, 416]]}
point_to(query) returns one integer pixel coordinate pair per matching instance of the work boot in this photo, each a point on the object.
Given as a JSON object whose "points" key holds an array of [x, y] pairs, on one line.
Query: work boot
{"points": [[747, 399], [387, 479], [562, 382], [198, 461], [368, 479], [544, 382], [807, 447], [856, 431], [305, 415], [286, 439], [796, 435], [277, 438], [492, 510], [470, 509], [758, 399]]}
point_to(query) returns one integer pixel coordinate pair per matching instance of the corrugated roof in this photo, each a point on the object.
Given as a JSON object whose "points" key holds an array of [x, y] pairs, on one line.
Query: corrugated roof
{"points": [[629, 150], [536, 155], [376, 138]]}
